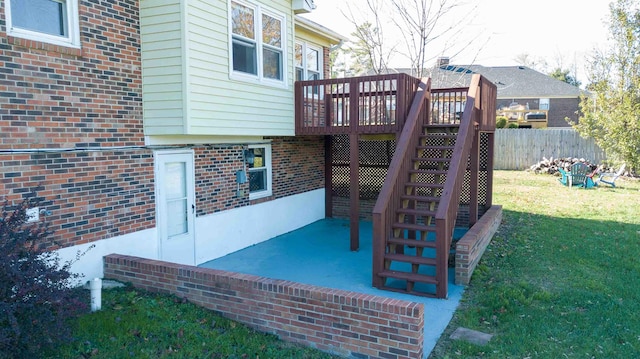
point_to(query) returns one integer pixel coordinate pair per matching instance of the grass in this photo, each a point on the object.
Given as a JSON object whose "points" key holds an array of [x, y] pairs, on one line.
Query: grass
{"points": [[134, 324], [561, 278]]}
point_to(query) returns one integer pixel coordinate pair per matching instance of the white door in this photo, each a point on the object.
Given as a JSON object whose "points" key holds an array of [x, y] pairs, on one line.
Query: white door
{"points": [[175, 206]]}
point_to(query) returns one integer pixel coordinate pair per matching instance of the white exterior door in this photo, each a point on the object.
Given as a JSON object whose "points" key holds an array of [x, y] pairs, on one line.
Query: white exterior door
{"points": [[175, 206]]}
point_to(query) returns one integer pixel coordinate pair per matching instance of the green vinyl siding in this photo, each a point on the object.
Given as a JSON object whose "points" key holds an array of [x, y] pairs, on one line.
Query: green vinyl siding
{"points": [[162, 67], [187, 87]]}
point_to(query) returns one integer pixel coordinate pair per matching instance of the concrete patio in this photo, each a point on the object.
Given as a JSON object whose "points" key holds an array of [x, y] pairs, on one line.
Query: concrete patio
{"points": [[318, 254]]}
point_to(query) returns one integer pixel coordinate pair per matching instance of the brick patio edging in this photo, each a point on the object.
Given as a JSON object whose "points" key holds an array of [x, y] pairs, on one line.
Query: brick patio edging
{"points": [[471, 246], [341, 322]]}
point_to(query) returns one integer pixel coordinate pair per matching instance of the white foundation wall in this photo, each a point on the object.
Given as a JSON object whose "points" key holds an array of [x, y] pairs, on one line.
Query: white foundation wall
{"points": [[225, 232], [216, 235], [141, 244]]}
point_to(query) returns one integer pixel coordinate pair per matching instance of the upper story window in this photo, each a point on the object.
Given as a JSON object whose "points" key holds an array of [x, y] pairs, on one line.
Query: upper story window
{"points": [[51, 21], [308, 62], [257, 43]]}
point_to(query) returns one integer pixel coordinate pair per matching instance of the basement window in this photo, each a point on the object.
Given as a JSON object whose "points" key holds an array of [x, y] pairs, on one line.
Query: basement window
{"points": [[50, 21]]}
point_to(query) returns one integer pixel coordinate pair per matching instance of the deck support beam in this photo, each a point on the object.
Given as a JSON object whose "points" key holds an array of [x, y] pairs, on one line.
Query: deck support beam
{"points": [[328, 177], [354, 194]]}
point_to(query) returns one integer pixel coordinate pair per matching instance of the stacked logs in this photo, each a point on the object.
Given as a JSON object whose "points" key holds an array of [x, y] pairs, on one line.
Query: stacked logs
{"points": [[551, 165]]}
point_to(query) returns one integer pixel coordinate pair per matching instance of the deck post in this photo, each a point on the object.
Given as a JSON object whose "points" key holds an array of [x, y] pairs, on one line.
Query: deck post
{"points": [[354, 194], [328, 176], [474, 168]]}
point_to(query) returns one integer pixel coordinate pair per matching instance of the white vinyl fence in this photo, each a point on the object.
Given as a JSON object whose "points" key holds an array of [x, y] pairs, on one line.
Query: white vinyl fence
{"points": [[518, 149]]}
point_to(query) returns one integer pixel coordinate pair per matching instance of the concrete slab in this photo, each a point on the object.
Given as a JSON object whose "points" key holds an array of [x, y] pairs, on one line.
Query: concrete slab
{"points": [[318, 254]]}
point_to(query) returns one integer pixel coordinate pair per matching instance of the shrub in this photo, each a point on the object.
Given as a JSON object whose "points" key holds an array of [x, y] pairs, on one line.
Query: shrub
{"points": [[36, 297], [513, 125], [501, 122]]}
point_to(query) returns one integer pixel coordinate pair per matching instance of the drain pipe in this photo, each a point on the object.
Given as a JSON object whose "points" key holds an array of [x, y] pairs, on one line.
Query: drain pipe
{"points": [[96, 294]]}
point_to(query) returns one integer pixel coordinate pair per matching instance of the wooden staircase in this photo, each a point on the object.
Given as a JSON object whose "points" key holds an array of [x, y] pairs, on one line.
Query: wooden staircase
{"points": [[410, 255]]}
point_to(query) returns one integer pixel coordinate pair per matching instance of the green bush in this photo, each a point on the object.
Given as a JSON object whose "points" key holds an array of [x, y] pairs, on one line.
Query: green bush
{"points": [[36, 297], [513, 125], [501, 121]]}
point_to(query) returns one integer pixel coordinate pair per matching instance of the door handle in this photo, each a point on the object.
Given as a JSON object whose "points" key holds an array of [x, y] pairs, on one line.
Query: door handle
{"points": [[193, 208]]}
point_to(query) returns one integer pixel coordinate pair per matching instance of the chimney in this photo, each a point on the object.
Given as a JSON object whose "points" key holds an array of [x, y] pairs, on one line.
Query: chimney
{"points": [[442, 61]]}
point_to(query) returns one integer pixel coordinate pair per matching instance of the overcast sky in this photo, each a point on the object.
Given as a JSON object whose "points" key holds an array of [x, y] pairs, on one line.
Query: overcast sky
{"points": [[562, 32]]}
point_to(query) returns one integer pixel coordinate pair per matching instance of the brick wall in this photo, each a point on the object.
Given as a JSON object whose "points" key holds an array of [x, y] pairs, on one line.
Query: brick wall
{"points": [[90, 195], [297, 167], [471, 246], [52, 97], [561, 108], [342, 322], [58, 100]]}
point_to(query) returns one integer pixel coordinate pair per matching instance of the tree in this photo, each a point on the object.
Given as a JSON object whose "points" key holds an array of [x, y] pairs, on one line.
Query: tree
{"points": [[565, 76], [417, 23], [611, 115]]}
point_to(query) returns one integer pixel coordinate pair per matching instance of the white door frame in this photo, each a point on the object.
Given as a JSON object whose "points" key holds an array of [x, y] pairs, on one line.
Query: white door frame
{"points": [[180, 248]]}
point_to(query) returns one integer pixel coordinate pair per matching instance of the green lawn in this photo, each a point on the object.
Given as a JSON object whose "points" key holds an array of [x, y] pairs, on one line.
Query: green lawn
{"points": [[561, 278], [134, 324]]}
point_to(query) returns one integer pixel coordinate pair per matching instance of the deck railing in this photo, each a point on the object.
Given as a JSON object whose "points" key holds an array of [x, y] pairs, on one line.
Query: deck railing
{"points": [[402, 161], [366, 104], [478, 115]]}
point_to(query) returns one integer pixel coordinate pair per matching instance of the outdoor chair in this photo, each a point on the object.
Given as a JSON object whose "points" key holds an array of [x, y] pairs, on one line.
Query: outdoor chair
{"points": [[610, 177], [579, 176], [565, 177]]}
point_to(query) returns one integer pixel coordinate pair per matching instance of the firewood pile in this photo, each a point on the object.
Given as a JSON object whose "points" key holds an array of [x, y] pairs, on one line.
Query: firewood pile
{"points": [[551, 165]]}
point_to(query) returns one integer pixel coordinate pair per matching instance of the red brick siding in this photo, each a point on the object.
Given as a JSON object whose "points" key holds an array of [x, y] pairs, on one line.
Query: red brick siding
{"points": [[216, 186], [56, 97], [343, 322], [298, 164], [51, 99], [472, 245], [91, 195]]}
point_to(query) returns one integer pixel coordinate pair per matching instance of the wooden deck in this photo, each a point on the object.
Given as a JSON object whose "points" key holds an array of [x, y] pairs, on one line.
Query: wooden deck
{"points": [[426, 165]]}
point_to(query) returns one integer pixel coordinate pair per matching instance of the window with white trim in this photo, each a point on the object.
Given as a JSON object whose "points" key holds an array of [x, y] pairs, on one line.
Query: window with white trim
{"points": [[308, 62], [257, 42], [51, 21], [260, 171]]}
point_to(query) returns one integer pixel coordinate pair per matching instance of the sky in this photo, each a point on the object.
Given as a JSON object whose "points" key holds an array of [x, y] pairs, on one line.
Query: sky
{"points": [[560, 32]]}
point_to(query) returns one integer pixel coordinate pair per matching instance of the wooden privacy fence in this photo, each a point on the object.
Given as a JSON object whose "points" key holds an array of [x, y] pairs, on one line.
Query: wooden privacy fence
{"points": [[518, 149]]}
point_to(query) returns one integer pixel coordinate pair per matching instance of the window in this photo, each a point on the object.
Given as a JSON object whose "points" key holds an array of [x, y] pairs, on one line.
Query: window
{"points": [[260, 172], [308, 62], [52, 21], [257, 42]]}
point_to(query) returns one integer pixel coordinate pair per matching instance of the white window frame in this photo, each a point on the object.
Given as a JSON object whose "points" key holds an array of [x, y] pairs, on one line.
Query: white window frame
{"points": [[72, 26], [259, 10], [268, 166], [305, 67]]}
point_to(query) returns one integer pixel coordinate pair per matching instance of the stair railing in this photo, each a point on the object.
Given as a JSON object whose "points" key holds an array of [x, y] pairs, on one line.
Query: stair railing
{"points": [[447, 212], [393, 187]]}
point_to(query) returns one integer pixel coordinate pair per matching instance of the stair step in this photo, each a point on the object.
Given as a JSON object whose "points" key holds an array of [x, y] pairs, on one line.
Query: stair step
{"points": [[427, 185], [443, 148], [420, 198], [428, 172], [414, 227], [439, 135], [430, 159], [416, 212], [411, 242], [410, 259], [442, 125], [411, 277]]}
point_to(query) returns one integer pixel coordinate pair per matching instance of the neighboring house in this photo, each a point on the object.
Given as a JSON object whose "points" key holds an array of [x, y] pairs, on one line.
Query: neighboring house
{"points": [[523, 93], [160, 129]]}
